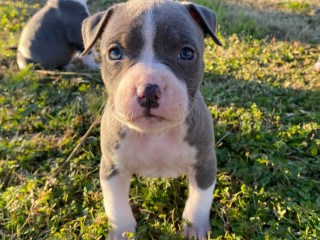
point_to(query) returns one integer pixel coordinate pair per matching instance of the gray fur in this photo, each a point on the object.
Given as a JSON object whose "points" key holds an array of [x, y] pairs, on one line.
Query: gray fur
{"points": [[201, 135], [109, 142], [206, 20]]}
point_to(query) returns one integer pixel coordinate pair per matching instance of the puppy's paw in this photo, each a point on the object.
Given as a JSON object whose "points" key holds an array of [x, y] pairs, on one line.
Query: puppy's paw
{"points": [[123, 233], [89, 61], [192, 231], [70, 67], [93, 66], [114, 235]]}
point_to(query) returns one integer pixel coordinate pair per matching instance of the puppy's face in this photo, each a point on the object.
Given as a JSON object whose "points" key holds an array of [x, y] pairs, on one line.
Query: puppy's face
{"points": [[151, 62], [151, 65]]}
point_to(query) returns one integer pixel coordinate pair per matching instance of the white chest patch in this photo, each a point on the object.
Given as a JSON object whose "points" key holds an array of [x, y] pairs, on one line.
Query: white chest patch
{"points": [[164, 154]]}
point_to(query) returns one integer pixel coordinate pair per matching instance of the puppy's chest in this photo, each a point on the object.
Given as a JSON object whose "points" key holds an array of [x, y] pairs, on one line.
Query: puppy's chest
{"points": [[156, 155]]}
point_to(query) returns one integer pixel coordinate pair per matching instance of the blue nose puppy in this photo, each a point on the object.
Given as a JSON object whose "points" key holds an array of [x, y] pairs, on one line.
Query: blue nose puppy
{"points": [[155, 122]]}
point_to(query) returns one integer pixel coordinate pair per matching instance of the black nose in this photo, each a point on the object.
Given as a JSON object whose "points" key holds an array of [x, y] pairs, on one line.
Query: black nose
{"points": [[149, 96]]}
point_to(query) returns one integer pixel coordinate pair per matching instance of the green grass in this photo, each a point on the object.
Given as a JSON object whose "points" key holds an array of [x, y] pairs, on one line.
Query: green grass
{"points": [[265, 100]]}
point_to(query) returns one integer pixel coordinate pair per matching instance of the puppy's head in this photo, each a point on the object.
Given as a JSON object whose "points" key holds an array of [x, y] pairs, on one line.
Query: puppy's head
{"points": [[151, 59]]}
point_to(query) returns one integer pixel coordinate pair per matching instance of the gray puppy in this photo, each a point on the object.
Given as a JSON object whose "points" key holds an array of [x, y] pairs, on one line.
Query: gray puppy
{"points": [[52, 37], [155, 122]]}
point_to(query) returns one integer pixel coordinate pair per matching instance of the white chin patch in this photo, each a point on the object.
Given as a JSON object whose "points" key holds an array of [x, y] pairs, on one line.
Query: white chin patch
{"points": [[152, 124]]}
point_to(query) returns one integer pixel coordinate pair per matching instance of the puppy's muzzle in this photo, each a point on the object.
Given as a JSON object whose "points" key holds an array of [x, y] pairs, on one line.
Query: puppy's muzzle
{"points": [[149, 96]]}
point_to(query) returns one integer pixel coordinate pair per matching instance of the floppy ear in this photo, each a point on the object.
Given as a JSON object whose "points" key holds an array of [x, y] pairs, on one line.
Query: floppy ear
{"points": [[205, 18], [93, 27]]}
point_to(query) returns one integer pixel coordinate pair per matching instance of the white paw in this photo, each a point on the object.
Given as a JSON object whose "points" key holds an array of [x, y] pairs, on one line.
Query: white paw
{"points": [[93, 66], [317, 66], [121, 235], [126, 231], [90, 62], [196, 232], [69, 67]]}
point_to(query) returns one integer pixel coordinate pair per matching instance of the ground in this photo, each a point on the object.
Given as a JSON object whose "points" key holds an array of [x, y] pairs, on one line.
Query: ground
{"points": [[261, 89]]}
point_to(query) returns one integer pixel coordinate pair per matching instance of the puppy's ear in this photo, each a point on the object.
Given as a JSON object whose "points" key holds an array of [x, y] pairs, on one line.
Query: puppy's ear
{"points": [[205, 18], [93, 27]]}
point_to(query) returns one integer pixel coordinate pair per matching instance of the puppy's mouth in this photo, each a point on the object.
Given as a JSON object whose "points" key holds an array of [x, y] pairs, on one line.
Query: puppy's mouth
{"points": [[148, 115], [147, 121]]}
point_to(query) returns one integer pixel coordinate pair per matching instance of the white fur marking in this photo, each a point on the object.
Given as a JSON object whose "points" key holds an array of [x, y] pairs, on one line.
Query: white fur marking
{"points": [[197, 210], [89, 61], [164, 154], [23, 49], [148, 32], [115, 196]]}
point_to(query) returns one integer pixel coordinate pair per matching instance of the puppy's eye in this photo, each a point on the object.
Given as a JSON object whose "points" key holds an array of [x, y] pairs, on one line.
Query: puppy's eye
{"points": [[187, 53], [115, 53]]}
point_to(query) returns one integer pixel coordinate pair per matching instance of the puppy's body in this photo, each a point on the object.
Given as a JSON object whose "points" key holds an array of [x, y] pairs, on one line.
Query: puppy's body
{"points": [[155, 122], [52, 37]]}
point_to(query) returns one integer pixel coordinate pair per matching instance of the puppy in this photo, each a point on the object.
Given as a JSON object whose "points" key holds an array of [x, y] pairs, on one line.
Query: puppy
{"points": [[52, 37], [155, 122]]}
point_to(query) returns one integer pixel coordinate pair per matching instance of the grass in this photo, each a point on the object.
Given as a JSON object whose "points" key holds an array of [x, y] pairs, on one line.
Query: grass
{"points": [[264, 97]]}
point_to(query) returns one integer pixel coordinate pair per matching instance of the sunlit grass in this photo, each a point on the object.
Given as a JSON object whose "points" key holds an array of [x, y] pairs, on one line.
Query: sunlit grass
{"points": [[261, 90]]}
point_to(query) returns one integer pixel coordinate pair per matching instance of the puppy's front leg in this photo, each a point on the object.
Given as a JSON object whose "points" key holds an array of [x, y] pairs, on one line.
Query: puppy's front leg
{"points": [[115, 189], [197, 210]]}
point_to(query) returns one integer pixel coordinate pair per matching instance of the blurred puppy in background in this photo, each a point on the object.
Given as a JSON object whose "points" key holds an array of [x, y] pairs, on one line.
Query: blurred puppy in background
{"points": [[52, 37]]}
